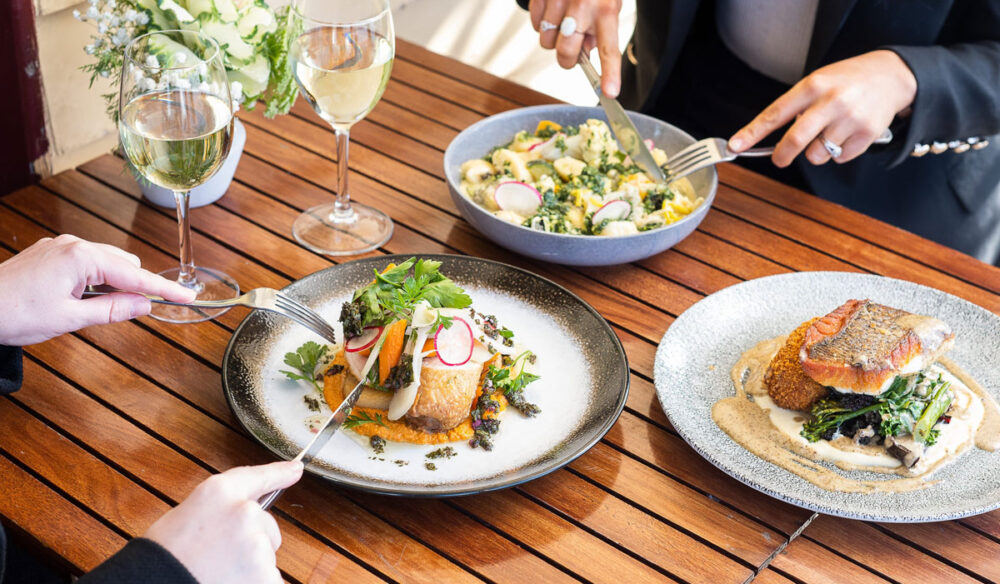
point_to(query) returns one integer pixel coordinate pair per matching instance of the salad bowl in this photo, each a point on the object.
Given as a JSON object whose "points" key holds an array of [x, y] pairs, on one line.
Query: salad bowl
{"points": [[577, 250]]}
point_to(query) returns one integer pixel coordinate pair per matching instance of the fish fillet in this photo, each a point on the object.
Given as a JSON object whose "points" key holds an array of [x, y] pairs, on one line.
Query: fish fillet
{"points": [[862, 346]]}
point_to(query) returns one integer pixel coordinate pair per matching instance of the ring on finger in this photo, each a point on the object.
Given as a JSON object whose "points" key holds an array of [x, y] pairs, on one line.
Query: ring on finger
{"points": [[546, 26], [834, 150], [568, 26]]}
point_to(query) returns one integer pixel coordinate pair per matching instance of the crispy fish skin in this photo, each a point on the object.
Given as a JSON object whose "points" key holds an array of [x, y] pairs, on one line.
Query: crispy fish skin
{"points": [[786, 382], [862, 345]]}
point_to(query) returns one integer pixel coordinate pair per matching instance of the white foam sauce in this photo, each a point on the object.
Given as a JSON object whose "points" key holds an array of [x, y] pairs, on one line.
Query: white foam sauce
{"points": [[562, 392], [966, 414]]}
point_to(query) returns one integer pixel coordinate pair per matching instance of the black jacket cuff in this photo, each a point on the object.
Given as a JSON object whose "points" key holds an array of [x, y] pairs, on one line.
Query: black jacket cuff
{"points": [[141, 560], [10, 369]]}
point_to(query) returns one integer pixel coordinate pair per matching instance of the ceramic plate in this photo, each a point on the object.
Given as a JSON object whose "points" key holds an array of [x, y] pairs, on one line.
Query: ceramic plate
{"points": [[697, 352], [582, 390]]}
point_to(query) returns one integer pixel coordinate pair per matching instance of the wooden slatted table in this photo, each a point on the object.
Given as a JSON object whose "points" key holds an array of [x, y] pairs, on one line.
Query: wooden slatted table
{"points": [[117, 423]]}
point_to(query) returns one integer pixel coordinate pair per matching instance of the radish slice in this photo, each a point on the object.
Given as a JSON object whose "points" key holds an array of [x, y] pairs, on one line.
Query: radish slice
{"points": [[355, 363], [363, 341], [454, 344], [518, 197], [614, 210], [649, 144]]}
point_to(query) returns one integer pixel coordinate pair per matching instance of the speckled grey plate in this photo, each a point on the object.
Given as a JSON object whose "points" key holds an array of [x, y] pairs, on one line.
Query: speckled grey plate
{"points": [[558, 325], [697, 352], [575, 250]]}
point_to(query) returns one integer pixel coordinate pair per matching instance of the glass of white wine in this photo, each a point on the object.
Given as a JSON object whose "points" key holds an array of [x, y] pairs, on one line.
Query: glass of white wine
{"points": [[175, 120], [341, 57]]}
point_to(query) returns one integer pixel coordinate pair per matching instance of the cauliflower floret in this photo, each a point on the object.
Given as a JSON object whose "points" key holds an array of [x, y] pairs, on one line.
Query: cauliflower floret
{"points": [[545, 183], [505, 160], [596, 142], [619, 228]]}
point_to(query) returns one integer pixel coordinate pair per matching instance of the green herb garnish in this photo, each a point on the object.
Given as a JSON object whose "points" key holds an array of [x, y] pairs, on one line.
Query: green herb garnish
{"points": [[353, 421], [305, 360]]}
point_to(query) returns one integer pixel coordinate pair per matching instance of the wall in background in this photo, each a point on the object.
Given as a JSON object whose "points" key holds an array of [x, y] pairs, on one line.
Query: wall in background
{"points": [[494, 35]]}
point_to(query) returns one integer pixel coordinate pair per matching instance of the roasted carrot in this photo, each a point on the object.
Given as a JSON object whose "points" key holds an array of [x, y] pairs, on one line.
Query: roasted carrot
{"points": [[333, 380], [392, 348]]}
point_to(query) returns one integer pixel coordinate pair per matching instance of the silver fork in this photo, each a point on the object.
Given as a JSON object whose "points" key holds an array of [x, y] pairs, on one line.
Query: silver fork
{"points": [[263, 298], [711, 151]]}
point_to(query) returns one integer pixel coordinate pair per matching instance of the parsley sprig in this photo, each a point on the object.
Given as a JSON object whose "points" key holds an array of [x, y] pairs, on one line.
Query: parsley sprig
{"points": [[396, 291], [305, 360]]}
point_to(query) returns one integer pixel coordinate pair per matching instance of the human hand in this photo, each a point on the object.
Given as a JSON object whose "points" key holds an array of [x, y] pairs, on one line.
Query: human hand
{"points": [[596, 25], [41, 288], [220, 533], [850, 103]]}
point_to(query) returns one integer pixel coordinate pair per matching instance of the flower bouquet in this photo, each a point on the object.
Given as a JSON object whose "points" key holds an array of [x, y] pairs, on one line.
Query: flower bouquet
{"points": [[254, 40]]}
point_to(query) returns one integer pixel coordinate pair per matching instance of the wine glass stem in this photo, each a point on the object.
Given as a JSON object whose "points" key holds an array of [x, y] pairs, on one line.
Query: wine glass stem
{"points": [[342, 208], [187, 275]]}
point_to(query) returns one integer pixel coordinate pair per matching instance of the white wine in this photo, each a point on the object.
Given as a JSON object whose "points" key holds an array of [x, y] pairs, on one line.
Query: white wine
{"points": [[176, 139], [343, 75]]}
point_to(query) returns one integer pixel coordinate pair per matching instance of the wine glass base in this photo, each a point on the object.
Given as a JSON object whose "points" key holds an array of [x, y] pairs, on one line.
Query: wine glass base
{"points": [[321, 231], [212, 284]]}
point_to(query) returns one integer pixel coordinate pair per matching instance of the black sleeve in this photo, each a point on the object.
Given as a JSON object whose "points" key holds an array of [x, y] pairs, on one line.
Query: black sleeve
{"points": [[141, 560], [958, 85], [523, 3], [10, 369]]}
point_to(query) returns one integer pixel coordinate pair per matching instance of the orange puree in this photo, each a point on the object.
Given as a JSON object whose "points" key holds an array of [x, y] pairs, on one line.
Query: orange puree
{"points": [[399, 430]]}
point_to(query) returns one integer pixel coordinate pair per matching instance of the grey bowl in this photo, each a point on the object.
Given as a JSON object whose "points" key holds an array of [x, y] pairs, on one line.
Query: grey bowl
{"points": [[575, 250]]}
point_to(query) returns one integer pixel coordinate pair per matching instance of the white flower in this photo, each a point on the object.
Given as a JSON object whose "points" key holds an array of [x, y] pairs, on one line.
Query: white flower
{"points": [[142, 19], [181, 58], [92, 13], [106, 16], [138, 75], [151, 61], [130, 15], [202, 69], [104, 73], [81, 17], [102, 28], [121, 37], [182, 83], [236, 90], [147, 84], [90, 49], [115, 21], [92, 2], [204, 87], [111, 4]]}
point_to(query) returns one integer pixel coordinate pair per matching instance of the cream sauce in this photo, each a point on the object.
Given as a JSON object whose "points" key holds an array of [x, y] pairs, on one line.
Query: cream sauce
{"points": [[772, 433]]}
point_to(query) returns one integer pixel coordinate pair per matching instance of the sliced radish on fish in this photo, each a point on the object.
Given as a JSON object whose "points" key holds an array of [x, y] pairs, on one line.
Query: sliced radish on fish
{"points": [[518, 197], [363, 341], [454, 344], [614, 210]]}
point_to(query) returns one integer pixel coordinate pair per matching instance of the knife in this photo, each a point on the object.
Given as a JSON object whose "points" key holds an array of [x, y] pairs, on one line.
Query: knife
{"points": [[330, 427], [621, 126]]}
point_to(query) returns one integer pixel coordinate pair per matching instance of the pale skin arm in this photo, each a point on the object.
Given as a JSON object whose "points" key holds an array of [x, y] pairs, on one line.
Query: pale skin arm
{"points": [[220, 533], [41, 288], [597, 25], [849, 102]]}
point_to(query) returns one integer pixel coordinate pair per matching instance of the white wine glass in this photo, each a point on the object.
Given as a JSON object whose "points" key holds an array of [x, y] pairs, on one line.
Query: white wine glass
{"points": [[341, 57], [175, 120]]}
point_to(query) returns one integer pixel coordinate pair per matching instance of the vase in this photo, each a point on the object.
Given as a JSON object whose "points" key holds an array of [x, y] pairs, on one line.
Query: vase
{"points": [[212, 189]]}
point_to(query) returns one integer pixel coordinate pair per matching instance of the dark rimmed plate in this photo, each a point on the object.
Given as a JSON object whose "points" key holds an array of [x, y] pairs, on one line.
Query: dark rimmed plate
{"points": [[582, 390], [696, 354]]}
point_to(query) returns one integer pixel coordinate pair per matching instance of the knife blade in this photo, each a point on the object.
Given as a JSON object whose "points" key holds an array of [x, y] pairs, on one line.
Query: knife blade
{"points": [[331, 426], [621, 126]]}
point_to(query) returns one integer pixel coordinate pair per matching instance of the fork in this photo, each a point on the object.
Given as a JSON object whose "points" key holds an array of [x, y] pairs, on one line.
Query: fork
{"points": [[711, 151], [263, 298]]}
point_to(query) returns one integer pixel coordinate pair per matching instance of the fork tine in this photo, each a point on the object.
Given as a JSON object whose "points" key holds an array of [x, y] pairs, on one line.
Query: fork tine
{"points": [[691, 154], [680, 156], [691, 162], [307, 315], [692, 168]]}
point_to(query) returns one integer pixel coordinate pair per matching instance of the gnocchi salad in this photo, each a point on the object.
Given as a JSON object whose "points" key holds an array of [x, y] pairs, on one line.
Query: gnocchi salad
{"points": [[574, 180]]}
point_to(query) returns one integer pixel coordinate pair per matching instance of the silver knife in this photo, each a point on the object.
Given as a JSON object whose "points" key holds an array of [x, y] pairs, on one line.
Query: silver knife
{"points": [[330, 427], [621, 126]]}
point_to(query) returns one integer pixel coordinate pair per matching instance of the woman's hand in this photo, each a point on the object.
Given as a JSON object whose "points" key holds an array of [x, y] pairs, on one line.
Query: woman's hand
{"points": [[596, 25], [850, 103], [41, 287], [220, 533]]}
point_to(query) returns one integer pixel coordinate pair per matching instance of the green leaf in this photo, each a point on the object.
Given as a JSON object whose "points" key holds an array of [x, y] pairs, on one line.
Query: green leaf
{"points": [[354, 421], [446, 294], [305, 360]]}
